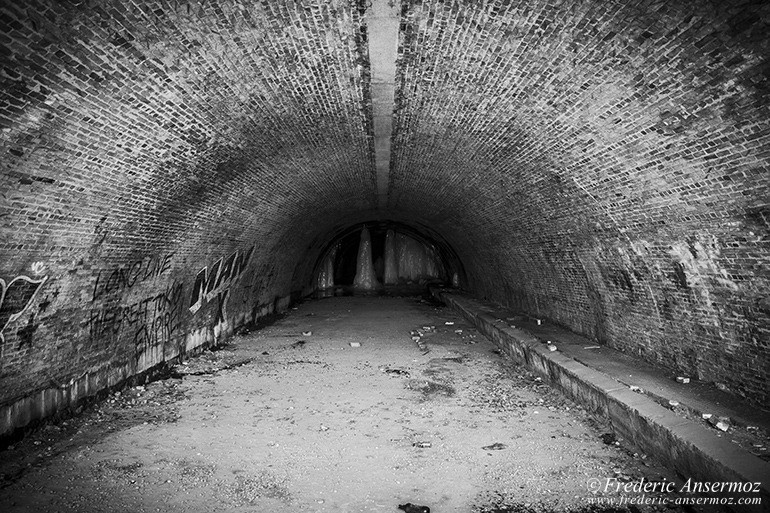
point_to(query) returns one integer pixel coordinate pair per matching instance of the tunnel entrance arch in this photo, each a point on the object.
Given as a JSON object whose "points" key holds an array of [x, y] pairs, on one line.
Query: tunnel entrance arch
{"points": [[422, 258]]}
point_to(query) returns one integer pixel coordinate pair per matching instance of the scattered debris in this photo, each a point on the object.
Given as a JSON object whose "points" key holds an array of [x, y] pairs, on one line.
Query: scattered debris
{"points": [[635, 388], [298, 344], [430, 389], [609, 439], [207, 363], [422, 445], [397, 372], [592, 347], [459, 332], [682, 379], [323, 428], [721, 423], [722, 387], [673, 403], [707, 416], [497, 446], [413, 508], [355, 344], [307, 333], [417, 337], [551, 347]]}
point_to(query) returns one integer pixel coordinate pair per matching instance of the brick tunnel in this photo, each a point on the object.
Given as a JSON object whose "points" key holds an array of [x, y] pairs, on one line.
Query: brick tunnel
{"points": [[176, 172]]}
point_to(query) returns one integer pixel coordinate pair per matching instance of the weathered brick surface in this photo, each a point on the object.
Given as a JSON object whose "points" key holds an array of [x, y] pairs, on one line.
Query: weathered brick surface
{"points": [[602, 164], [143, 142]]}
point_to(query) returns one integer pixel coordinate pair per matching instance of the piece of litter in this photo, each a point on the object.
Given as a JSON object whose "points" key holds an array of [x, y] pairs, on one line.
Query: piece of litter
{"points": [[538, 322], [681, 379], [497, 446], [422, 445], [706, 416], [324, 428], [673, 403], [551, 347], [355, 344], [458, 331], [722, 426], [592, 347], [449, 323], [635, 388], [307, 333]]}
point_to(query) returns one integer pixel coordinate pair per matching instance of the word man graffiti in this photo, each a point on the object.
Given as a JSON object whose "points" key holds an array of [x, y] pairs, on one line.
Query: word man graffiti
{"points": [[15, 298], [215, 281]]}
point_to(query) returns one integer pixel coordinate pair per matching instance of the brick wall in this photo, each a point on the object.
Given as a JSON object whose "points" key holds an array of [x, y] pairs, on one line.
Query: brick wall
{"points": [[170, 169], [157, 157], [601, 164]]}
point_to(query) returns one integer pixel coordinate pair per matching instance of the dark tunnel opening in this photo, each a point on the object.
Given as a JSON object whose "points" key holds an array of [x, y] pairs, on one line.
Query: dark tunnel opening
{"points": [[420, 259]]}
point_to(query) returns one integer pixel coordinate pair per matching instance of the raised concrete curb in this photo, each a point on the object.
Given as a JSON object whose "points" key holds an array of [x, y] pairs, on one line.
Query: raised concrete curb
{"points": [[678, 443]]}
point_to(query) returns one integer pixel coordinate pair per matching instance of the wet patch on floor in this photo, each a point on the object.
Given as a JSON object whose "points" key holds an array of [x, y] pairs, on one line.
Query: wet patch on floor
{"points": [[430, 389]]}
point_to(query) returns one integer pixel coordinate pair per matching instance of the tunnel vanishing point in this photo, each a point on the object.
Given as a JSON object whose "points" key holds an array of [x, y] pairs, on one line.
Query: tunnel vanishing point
{"points": [[174, 170]]}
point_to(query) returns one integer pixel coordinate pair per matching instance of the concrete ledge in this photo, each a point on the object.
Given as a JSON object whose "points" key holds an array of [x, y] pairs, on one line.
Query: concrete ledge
{"points": [[689, 448]]}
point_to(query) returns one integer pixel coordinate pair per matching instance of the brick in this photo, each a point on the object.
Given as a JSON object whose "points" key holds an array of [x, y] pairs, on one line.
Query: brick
{"points": [[602, 165]]}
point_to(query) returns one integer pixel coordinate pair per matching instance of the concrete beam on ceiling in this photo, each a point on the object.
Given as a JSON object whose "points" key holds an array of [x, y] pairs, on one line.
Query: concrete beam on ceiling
{"points": [[382, 26]]}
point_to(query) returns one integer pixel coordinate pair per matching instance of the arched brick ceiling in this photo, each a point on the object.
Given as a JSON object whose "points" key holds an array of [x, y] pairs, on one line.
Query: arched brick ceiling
{"points": [[601, 164]]}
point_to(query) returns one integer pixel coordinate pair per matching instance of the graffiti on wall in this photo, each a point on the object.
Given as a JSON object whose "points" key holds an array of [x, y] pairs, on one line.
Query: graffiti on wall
{"points": [[15, 297], [215, 281], [151, 320], [125, 277]]}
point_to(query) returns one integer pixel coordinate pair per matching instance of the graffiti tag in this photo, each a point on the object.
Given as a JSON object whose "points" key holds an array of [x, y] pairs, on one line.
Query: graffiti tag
{"points": [[123, 278], [210, 283], [15, 298], [152, 319]]}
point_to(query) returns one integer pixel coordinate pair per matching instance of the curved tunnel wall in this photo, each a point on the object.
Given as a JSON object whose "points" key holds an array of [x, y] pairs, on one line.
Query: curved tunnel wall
{"points": [[169, 168]]}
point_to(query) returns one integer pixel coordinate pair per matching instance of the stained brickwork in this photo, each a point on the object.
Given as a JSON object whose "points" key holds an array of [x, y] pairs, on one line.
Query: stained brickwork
{"points": [[600, 164], [157, 157], [171, 169]]}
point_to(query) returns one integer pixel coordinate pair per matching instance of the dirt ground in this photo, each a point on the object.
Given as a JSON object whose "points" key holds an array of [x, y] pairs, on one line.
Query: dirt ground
{"points": [[293, 418]]}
